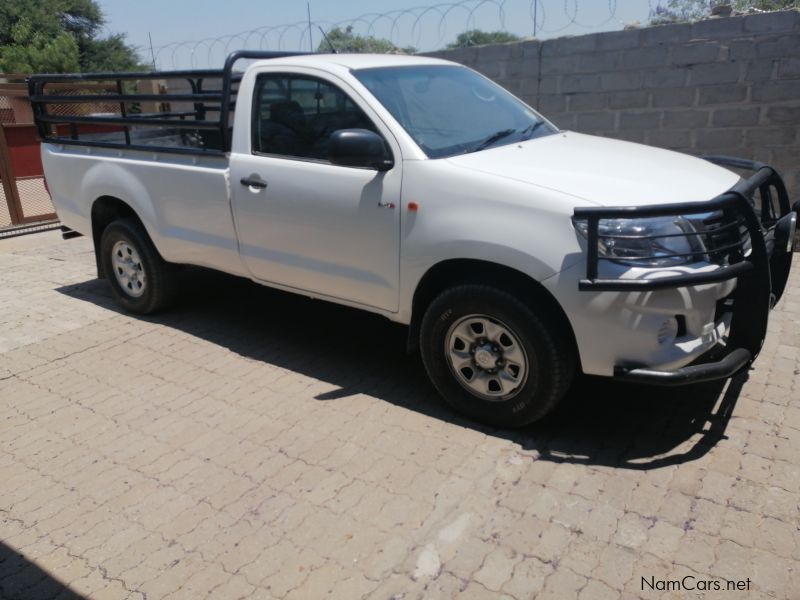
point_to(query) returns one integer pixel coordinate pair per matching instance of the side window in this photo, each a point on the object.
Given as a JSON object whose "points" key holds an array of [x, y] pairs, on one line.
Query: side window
{"points": [[295, 116]]}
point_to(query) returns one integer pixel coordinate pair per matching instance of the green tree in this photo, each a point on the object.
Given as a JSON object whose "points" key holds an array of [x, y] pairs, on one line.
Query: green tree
{"points": [[344, 40], [28, 50], [59, 36], [765, 4], [685, 11], [110, 54], [477, 37], [680, 11]]}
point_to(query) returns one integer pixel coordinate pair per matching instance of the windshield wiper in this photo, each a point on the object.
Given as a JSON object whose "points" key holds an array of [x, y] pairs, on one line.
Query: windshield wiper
{"points": [[495, 137], [525, 134], [528, 132]]}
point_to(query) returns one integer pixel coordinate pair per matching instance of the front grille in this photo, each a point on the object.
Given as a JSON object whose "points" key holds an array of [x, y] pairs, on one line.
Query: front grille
{"points": [[724, 235]]}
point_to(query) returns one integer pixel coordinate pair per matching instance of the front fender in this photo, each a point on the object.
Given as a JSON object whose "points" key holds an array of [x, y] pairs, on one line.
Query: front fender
{"points": [[470, 215]]}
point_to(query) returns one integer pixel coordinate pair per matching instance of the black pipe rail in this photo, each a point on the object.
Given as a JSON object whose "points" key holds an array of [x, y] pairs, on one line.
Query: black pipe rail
{"points": [[222, 103]]}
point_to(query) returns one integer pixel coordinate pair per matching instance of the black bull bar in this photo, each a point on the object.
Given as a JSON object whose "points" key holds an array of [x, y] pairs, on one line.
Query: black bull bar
{"points": [[759, 208]]}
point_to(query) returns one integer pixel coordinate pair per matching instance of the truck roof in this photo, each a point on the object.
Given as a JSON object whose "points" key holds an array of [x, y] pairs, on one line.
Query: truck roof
{"points": [[354, 61]]}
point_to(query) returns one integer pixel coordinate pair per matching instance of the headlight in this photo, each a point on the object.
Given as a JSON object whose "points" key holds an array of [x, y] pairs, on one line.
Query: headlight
{"points": [[647, 242]]}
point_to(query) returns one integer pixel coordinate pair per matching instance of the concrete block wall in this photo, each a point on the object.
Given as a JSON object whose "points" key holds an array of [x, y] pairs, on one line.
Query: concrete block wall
{"points": [[721, 86]]}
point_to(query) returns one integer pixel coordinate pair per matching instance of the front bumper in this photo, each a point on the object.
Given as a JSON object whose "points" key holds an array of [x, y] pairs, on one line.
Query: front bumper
{"points": [[760, 275]]}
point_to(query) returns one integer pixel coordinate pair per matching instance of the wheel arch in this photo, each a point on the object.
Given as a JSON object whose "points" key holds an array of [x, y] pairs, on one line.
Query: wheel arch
{"points": [[451, 272], [106, 210]]}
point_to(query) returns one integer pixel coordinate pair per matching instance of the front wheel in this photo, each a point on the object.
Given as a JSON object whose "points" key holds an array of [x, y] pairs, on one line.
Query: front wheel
{"points": [[493, 357], [141, 281]]}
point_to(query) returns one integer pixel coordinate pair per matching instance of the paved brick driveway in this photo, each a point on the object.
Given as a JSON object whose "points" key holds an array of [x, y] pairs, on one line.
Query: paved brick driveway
{"points": [[250, 443]]}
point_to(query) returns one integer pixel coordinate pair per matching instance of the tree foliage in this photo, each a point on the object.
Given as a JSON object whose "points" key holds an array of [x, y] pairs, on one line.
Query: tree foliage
{"points": [[477, 37], [110, 54], [59, 36], [685, 11], [344, 40], [680, 11], [765, 5]]}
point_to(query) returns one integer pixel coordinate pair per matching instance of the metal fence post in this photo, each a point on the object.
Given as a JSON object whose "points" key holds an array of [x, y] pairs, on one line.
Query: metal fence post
{"points": [[9, 180]]}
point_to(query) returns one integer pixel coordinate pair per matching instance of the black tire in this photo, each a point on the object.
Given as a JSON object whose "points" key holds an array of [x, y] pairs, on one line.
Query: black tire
{"points": [[160, 277], [551, 358]]}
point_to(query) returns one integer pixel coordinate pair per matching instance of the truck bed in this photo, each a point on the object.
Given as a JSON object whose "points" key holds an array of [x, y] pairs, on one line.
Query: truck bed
{"points": [[185, 199]]}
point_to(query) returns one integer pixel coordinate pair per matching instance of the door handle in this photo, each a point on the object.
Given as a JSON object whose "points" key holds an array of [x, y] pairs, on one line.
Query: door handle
{"points": [[253, 182]]}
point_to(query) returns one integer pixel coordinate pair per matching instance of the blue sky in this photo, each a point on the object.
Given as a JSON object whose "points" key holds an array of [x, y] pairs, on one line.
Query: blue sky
{"points": [[171, 21]]}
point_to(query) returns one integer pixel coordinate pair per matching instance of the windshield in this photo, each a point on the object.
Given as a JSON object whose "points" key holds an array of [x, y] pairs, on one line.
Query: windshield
{"points": [[449, 110]]}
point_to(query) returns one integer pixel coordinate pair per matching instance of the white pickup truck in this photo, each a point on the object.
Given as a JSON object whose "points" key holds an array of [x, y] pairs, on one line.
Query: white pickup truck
{"points": [[415, 188]]}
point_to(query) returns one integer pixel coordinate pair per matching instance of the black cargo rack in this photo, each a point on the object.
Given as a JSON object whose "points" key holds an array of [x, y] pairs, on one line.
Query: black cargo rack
{"points": [[219, 102]]}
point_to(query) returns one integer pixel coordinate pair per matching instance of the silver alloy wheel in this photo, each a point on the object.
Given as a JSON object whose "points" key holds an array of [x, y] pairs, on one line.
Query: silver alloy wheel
{"points": [[128, 269], [486, 357]]}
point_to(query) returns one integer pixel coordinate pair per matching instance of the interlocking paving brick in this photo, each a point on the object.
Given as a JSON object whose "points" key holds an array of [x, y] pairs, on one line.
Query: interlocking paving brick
{"points": [[249, 443]]}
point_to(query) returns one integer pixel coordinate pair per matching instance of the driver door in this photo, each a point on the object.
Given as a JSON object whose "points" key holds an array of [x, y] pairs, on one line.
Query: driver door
{"points": [[304, 222]]}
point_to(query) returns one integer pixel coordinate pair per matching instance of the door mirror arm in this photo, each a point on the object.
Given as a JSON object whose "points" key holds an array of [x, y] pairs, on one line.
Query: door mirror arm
{"points": [[387, 164]]}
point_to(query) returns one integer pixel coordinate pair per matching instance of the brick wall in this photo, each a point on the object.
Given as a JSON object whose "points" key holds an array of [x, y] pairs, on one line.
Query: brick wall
{"points": [[721, 86]]}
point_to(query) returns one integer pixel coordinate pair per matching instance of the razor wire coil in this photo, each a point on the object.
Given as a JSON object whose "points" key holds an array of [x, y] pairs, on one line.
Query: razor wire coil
{"points": [[425, 27]]}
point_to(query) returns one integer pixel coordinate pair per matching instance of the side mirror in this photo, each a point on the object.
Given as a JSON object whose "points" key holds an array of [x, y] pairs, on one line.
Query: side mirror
{"points": [[359, 148]]}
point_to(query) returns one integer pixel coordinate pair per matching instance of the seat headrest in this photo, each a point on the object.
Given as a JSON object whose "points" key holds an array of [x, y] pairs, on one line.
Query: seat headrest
{"points": [[287, 112]]}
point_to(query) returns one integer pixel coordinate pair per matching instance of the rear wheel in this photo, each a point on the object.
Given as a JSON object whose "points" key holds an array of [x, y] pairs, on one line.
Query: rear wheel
{"points": [[493, 357], [141, 281]]}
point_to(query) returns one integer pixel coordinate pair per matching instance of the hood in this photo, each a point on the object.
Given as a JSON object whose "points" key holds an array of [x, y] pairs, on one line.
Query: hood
{"points": [[603, 171]]}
